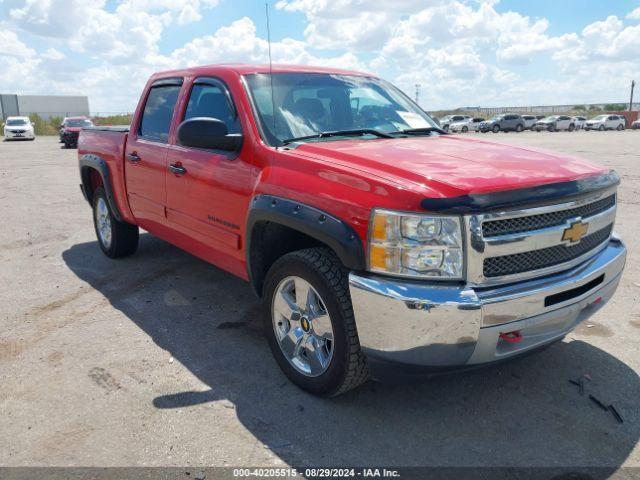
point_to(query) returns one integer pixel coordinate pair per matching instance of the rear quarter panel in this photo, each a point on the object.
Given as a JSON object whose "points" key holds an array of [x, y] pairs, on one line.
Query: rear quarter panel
{"points": [[110, 147]]}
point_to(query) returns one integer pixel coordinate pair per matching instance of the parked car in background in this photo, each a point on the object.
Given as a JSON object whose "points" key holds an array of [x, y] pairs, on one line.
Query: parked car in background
{"points": [[605, 122], [71, 130], [19, 128], [529, 121], [447, 120], [555, 123], [579, 122], [505, 122], [540, 117], [61, 128], [636, 125], [468, 125]]}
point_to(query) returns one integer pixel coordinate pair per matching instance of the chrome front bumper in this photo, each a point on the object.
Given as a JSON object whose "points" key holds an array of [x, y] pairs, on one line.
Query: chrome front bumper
{"points": [[440, 326]]}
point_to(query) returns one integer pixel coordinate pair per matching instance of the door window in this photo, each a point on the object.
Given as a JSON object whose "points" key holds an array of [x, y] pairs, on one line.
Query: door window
{"points": [[213, 102], [157, 114]]}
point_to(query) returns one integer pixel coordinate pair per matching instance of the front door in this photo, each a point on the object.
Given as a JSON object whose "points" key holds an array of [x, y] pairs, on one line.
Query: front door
{"points": [[208, 198], [146, 153]]}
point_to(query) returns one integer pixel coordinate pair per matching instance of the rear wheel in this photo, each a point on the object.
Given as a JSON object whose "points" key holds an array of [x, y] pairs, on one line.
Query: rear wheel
{"points": [[619, 127], [465, 129], [309, 322], [519, 128], [495, 128], [116, 239]]}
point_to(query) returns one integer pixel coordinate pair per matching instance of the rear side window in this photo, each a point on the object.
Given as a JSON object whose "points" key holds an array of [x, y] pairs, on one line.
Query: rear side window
{"points": [[211, 101], [156, 118]]}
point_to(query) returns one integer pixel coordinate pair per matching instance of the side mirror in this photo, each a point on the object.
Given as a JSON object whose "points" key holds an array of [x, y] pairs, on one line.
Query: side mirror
{"points": [[208, 133]]}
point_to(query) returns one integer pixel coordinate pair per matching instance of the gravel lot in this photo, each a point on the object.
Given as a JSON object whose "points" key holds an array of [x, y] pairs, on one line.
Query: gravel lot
{"points": [[159, 359]]}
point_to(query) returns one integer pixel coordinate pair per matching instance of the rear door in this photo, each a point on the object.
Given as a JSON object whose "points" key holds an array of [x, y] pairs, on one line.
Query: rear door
{"points": [[209, 200], [146, 153]]}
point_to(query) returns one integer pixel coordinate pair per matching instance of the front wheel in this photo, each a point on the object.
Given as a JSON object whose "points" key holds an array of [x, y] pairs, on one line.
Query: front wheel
{"points": [[572, 127], [309, 322], [519, 128], [495, 129], [116, 239], [465, 129], [601, 128], [619, 127]]}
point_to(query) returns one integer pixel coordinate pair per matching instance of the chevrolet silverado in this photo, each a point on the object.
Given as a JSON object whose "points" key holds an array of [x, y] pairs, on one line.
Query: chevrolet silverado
{"points": [[379, 244]]}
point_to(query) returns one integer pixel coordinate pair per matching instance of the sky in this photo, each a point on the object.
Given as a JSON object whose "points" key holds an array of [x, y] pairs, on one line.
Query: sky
{"points": [[461, 52]]}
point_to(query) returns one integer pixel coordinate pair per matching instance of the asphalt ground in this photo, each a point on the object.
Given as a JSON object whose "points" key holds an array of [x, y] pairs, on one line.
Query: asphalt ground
{"points": [[159, 359]]}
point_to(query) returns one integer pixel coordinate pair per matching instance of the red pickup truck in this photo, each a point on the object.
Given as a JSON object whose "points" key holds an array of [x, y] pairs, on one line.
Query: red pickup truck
{"points": [[380, 245]]}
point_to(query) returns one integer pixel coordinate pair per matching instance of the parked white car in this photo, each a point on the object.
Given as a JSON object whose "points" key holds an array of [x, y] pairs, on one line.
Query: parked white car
{"points": [[529, 121], [555, 123], [18, 128], [605, 122], [579, 122], [468, 125], [447, 120]]}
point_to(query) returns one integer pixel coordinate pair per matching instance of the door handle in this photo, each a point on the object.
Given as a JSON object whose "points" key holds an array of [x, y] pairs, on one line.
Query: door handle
{"points": [[133, 157], [177, 169]]}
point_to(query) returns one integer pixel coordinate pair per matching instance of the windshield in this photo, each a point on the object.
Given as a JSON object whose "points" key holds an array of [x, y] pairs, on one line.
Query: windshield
{"points": [[310, 103], [78, 123], [600, 117], [16, 122], [551, 118]]}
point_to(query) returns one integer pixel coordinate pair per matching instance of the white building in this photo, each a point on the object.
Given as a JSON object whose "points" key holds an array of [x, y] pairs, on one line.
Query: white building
{"points": [[46, 106]]}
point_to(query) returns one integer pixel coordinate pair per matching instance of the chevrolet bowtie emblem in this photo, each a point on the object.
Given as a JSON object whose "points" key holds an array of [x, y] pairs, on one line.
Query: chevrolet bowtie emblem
{"points": [[575, 232]]}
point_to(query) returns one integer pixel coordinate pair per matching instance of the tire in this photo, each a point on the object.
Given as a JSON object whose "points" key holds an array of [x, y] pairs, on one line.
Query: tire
{"points": [[327, 279], [601, 128], [519, 128], [465, 129], [495, 128], [116, 239], [552, 128], [620, 127], [572, 127]]}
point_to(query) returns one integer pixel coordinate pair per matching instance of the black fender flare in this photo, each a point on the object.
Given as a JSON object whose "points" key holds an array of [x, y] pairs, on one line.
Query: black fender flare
{"points": [[320, 225], [91, 161]]}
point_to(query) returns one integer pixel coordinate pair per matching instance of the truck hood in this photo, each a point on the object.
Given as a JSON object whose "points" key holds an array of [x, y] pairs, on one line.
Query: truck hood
{"points": [[450, 166], [72, 129]]}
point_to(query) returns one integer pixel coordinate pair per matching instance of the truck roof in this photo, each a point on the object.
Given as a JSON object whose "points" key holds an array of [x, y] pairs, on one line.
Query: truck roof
{"points": [[246, 69]]}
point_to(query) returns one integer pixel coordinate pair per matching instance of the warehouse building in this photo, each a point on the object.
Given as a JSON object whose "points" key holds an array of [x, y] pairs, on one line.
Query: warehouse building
{"points": [[46, 106]]}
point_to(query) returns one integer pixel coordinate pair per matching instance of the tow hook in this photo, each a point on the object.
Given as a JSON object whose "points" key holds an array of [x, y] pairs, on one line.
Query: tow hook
{"points": [[511, 337]]}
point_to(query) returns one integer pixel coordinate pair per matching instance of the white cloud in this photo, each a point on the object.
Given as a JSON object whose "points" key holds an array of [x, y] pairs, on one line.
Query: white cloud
{"points": [[634, 15], [462, 52], [53, 54]]}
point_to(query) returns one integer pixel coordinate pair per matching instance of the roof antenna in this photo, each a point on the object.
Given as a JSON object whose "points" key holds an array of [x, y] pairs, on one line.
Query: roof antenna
{"points": [[273, 101]]}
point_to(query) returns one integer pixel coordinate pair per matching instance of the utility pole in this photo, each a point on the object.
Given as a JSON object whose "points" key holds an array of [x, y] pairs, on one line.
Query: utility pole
{"points": [[633, 84], [418, 93]]}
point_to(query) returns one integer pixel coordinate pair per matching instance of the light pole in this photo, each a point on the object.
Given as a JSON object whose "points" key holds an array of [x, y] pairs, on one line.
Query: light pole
{"points": [[417, 93], [633, 84]]}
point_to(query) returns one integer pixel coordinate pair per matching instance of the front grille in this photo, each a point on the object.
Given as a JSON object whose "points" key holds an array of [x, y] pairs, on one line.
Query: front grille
{"points": [[509, 226], [546, 257]]}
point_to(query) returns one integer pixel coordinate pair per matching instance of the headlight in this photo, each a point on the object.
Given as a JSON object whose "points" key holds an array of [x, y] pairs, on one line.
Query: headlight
{"points": [[414, 245]]}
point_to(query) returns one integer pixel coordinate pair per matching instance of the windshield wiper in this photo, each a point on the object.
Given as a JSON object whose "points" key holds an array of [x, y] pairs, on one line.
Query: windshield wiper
{"points": [[340, 133], [422, 131]]}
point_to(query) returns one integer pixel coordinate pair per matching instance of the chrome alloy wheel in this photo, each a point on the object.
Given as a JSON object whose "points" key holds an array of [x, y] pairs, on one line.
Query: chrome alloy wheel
{"points": [[302, 326], [103, 222]]}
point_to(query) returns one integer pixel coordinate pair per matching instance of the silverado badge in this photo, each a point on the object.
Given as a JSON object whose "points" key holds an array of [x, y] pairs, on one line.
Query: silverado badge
{"points": [[575, 232]]}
